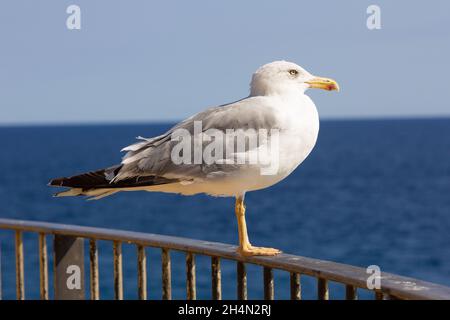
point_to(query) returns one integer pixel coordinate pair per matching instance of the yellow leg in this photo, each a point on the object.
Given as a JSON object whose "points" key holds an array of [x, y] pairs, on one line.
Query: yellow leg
{"points": [[245, 247]]}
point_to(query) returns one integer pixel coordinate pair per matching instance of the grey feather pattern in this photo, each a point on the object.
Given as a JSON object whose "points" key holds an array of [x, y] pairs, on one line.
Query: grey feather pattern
{"points": [[153, 156]]}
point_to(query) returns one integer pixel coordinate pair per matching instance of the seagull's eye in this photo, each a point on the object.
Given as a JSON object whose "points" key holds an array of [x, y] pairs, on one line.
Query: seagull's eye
{"points": [[293, 72]]}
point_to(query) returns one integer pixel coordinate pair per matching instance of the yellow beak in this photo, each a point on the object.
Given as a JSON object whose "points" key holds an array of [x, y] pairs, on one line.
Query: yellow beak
{"points": [[323, 83]]}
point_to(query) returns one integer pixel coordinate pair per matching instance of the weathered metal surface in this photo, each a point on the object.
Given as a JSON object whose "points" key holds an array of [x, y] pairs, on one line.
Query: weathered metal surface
{"points": [[93, 264], [191, 293], [118, 272], [69, 268], [166, 275], [296, 290], [322, 289], [268, 283], [399, 286], [216, 279], [43, 267], [379, 295], [350, 293], [241, 280], [142, 272], [20, 286]]}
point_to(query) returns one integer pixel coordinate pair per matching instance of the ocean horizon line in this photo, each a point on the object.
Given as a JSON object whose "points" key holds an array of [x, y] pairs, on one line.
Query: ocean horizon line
{"points": [[174, 121]]}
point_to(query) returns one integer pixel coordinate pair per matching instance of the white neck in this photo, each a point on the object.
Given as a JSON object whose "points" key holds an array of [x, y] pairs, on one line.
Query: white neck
{"points": [[262, 88]]}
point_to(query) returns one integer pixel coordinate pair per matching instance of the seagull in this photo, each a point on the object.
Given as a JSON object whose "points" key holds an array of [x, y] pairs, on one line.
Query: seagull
{"points": [[277, 126]]}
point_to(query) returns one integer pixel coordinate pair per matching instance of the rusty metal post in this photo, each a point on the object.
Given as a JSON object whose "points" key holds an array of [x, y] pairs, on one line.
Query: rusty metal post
{"points": [[43, 267], [379, 295], [118, 272], [69, 268], [268, 284], [166, 275], [142, 273], [322, 289], [241, 281], [93, 263], [296, 289], [216, 279], [350, 292], [191, 291], [20, 286]]}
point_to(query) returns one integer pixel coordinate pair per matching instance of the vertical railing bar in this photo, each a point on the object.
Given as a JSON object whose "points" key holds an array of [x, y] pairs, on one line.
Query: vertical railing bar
{"points": [[216, 279], [190, 277], [43, 267], [379, 295], [94, 278], [296, 293], [241, 281], [166, 275], [351, 292], [322, 289], [268, 284], [142, 273], [118, 275], [20, 286]]}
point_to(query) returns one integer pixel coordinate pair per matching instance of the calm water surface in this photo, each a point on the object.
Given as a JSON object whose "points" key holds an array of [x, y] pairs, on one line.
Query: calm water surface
{"points": [[371, 192]]}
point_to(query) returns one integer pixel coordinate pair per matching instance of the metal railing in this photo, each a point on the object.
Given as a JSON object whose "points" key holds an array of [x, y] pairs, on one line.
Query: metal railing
{"points": [[68, 251]]}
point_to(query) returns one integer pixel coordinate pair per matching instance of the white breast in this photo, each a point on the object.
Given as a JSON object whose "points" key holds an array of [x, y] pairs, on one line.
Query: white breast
{"points": [[301, 128]]}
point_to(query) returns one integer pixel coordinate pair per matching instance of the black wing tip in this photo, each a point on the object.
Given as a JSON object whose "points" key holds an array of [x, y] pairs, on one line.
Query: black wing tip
{"points": [[58, 182], [87, 179]]}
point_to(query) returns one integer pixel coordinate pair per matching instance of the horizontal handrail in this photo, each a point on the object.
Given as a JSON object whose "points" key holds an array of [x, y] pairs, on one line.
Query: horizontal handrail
{"points": [[391, 284]]}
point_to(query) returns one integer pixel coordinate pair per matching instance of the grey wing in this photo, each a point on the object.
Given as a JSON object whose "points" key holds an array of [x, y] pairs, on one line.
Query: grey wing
{"points": [[153, 157]]}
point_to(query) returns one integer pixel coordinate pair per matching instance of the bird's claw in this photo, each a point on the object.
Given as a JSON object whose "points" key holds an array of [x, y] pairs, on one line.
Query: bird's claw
{"points": [[250, 250]]}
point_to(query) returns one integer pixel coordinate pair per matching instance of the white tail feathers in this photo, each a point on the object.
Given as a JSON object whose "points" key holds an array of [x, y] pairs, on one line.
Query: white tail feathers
{"points": [[104, 194], [69, 193], [95, 194]]}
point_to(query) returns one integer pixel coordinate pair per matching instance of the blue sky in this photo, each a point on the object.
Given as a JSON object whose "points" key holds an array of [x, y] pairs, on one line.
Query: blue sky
{"points": [[152, 61]]}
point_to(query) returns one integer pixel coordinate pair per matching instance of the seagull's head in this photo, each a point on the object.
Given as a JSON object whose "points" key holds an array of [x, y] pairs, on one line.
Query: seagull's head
{"points": [[283, 77]]}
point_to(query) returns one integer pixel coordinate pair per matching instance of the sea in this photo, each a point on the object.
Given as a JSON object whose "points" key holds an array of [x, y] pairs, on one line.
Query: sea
{"points": [[372, 192]]}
